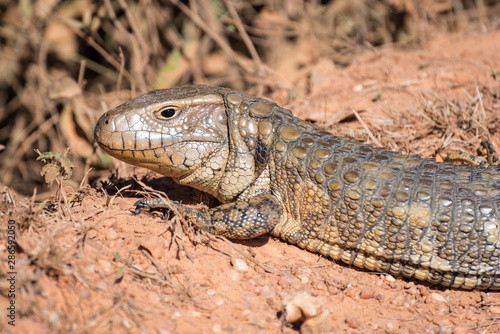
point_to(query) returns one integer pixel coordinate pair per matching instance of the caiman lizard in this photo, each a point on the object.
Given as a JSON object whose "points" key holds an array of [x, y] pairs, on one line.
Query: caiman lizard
{"points": [[275, 173]]}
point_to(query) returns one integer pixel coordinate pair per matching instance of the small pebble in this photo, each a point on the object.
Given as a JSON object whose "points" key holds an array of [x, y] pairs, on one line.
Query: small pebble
{"points": [[437, 297], [321, 286], [109, 222], [302, 306], [239, 264], [424, 291], [389, 278], [352, 322], [367, 293], [219, 301], [111, 234], [333, 290], [350, 293], [409, 285]]}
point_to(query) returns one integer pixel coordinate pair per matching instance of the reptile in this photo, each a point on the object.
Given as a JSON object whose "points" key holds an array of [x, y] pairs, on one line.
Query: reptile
{"points": [[275, 173]]}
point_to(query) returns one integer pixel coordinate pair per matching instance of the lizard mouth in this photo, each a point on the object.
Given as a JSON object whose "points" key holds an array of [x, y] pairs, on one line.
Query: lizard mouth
{"points": [[168, 160], [171, 155]]}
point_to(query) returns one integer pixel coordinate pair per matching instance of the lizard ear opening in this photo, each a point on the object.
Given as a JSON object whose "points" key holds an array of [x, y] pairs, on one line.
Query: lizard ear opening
{"points": [[220, 117]]}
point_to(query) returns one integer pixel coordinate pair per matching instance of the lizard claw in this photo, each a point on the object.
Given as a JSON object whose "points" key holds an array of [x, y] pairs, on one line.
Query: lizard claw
{"points": [[152, 205], [142, 203]]}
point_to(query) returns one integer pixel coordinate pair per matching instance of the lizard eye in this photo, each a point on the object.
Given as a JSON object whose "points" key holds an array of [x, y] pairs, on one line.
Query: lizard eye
{"points": [[168, 111]]}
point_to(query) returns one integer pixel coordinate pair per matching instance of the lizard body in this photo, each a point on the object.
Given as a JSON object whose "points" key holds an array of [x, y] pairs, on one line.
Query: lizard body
{"points": [[274, 173]]}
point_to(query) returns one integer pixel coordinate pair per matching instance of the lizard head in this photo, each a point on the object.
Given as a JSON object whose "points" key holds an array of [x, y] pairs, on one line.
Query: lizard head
{"points": [[173, 132], [214, 139]]}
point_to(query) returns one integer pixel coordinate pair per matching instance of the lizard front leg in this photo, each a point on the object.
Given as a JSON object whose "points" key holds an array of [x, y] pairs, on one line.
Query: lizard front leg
{"points": [[236, 220]]}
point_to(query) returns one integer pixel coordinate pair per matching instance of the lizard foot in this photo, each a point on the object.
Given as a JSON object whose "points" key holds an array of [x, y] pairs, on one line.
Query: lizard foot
{"points": [[154, 205], [492, 159], [237, 220]]}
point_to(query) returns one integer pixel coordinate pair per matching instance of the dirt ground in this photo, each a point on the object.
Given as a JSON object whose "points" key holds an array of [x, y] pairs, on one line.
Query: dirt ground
{"points": [[86, 264], [104, 269]]}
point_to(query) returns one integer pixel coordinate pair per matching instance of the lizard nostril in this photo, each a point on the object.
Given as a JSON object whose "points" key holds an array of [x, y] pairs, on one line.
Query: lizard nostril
{"points": [[106, 122]]}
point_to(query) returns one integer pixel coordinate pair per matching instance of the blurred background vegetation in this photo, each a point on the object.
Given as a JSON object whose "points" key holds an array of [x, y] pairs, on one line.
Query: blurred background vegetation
{"points": [[63, 63]]}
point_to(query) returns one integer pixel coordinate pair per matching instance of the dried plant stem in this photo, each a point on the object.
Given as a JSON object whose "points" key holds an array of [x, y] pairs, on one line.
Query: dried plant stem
{"points": [[91, 41], [248, 43], [216, 37], [372, 137]]}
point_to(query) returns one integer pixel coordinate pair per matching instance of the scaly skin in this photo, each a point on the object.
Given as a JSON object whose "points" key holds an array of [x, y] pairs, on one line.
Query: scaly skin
{"points": [[277, 174]]}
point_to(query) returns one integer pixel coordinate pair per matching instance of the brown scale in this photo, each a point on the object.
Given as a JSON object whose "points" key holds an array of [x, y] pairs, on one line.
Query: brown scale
{"points": [[312, 214], [371, 206]]}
